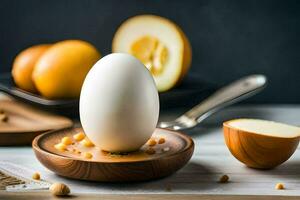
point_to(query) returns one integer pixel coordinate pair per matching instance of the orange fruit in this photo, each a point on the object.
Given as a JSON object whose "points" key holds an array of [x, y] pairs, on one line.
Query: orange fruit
{"points": [[61, 70], [23, 66]]}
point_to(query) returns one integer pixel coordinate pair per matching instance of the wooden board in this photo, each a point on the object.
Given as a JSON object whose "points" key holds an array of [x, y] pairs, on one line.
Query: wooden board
{"points": [[198, 179], [134, 166], [48, 196], [23, 123]]}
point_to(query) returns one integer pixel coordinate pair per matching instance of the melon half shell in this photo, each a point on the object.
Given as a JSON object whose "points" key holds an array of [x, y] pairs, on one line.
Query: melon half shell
{"points": [[160, 44]]}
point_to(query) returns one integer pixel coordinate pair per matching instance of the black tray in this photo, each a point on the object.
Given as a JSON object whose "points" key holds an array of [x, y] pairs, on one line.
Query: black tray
{"points": [[189, 93]]}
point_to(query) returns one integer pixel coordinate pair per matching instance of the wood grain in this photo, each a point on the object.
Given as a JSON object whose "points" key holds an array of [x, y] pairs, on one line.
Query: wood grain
{"points": [[48, 196], [258, 151], [135, 166], [24, 123]]}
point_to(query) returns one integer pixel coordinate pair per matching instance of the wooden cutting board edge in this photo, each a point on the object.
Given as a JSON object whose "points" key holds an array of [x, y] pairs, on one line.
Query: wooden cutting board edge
{"points": [[47, 196]]}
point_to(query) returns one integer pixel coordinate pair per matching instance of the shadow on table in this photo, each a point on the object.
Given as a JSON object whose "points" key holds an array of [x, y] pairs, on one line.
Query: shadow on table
{"points": [[193, 177], [288, 170]]}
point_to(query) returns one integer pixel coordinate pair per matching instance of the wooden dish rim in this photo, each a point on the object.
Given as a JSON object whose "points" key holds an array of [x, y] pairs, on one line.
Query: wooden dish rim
{"points": [[37, 148], [51, 128], [67, 122]]}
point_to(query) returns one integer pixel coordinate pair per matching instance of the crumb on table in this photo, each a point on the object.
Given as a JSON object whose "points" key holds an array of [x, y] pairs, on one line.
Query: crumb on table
{"points": [[59, 189], [36, 176], [279, 186], [224, 179]]}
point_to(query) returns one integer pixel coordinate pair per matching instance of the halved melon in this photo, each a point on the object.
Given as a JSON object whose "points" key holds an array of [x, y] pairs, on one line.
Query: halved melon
{"points": [[260, 144], [264, 127], [160, 44]]}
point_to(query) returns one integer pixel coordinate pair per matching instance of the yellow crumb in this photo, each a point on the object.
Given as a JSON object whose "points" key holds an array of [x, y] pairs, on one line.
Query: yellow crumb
{"points": [[60, 147], [79, 136], [161, 140], [150, 151], [36, 176], [151, 142], [66, 140], [88, 155], [224, 179], [3, 117], [59, 189], [87, 143], [279, 186]]}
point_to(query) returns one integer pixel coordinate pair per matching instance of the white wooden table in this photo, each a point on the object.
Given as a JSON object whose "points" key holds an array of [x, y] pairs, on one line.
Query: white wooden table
{"points": [[211, 159]]}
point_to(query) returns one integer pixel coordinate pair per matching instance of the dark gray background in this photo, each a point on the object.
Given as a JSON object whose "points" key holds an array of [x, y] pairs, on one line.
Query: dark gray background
{"points": [[230, 39]]}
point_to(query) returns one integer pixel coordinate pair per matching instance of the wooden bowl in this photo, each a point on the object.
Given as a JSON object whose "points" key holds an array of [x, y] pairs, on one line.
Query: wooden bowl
{"points": [[106, 167], [258, 151]]}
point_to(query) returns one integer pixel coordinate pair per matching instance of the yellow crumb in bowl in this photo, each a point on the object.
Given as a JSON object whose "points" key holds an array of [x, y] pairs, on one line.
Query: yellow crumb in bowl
{"points": [[3, 117], [161, 140], [87, 143], [150, 151], [151, 142], [88, 155], [60, 147], [79, 136], [279, 186], [66, 140], [36, 176]]}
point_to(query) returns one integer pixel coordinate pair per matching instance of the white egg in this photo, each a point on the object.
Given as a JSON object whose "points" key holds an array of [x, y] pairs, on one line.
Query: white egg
{"points": [[119, 103]]}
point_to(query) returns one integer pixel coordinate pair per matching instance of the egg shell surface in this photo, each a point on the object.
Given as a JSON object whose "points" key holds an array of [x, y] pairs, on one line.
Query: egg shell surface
{"points": [[119, 103]]}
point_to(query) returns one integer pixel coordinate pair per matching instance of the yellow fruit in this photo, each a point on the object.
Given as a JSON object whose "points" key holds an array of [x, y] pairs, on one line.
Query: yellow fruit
{"points": [[160, 44], [23, 66], [60, 71]]}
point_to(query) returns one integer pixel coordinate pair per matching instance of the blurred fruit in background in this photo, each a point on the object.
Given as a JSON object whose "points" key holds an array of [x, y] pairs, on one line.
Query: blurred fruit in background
{"points": [[160, 44], [57, 71], [23, 66], [61, 70]]}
